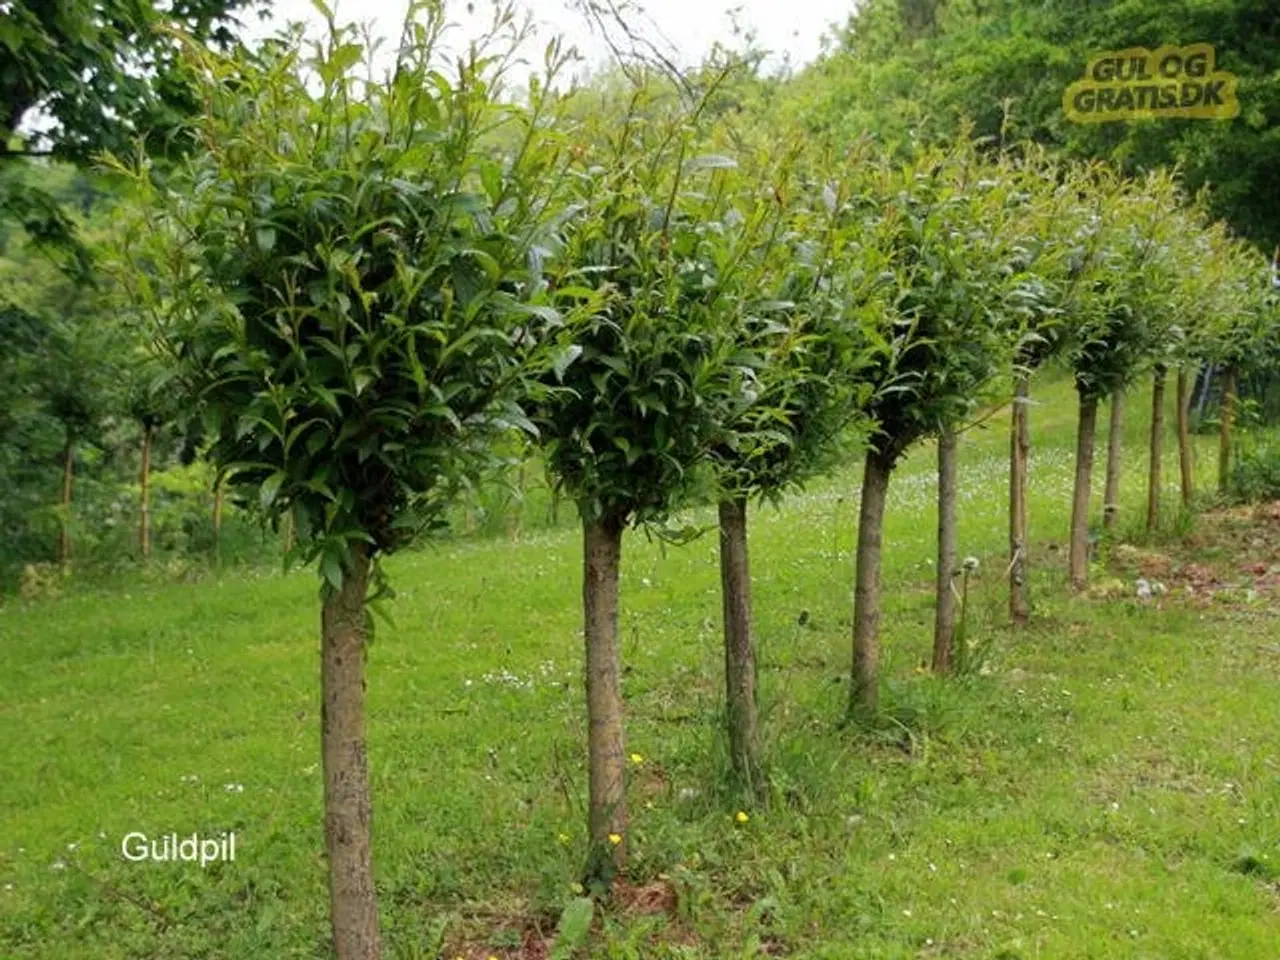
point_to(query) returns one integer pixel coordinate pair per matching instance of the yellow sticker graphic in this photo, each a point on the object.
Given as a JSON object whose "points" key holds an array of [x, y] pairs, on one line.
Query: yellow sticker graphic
{"points": [[1140, 83]]}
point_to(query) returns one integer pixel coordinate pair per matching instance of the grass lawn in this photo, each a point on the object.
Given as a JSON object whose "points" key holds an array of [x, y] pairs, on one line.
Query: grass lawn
{"points": [[1107, 786]]}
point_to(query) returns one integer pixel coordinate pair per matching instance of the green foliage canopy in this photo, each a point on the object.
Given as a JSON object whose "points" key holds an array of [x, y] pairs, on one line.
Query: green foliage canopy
{"points": [[342, 277]]}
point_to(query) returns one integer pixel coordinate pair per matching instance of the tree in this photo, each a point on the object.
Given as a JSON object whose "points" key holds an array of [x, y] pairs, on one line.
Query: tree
{"points": [[940, 221], [106, 72], [784, 278], [62, 364], [1174, 279], [626, 415], [1112, 336], [992, 300], [100, 76], [1064, 241], [339, 279], [1239, 337]]}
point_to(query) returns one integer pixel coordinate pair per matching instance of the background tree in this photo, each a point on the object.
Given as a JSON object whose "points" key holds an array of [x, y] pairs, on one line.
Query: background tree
{"points": [[91, 77], [1112, 337], [1003, 65], [1241, 340], [338, 278], [1063, 236]]}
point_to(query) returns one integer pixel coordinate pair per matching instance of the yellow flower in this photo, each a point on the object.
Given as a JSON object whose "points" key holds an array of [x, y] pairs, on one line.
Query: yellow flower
{"points": [[742, 817], [648, 804], [576, 888], [615, 838], [637, 759], [564, 838]]}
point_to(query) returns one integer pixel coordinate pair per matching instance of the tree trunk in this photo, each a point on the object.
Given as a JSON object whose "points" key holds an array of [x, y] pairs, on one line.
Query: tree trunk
{"points": [[739, 651], [286, 533], [606, 756], [515, 515], [944, 625], [1154, 474], [1226, 420], [347, 806], [1019, 448], [64, 531], [1079, 552], [864, 690], [144, 499], [1115, 437], [217, 520], [1184, 438]]}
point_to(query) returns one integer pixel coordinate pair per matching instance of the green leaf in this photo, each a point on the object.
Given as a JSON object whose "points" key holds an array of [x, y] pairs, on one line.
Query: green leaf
{"points": [[331, 566], [565, 357], [574, 928], [270, 488]]}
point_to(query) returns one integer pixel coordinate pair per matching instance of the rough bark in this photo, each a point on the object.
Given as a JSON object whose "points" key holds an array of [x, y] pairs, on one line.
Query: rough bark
{"points": [[1019, 448], [1184, 437], [944, 625], [1079, 550], [606, 751], [739, 651], [1226, 421], [348, 810], [144, 498], [64, 530], [1155, 473], [1115, 437], [864, 690]]}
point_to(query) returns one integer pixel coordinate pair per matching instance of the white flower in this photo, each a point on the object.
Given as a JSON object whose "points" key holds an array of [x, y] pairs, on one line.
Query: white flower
{"points": [[234, 787], [971, 564]]}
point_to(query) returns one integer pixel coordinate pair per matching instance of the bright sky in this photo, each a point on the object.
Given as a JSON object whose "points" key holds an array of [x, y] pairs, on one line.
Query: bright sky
{"points": [[791, 28]]}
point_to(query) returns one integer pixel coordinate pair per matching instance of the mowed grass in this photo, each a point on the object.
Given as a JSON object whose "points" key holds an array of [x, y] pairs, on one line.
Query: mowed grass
{"points": [[1107, 786]]}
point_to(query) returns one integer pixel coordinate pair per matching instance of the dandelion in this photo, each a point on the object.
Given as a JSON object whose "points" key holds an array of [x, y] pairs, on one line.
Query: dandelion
{"points": [[742, 816], [637, 759], [564, 838], [615, 838]]}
